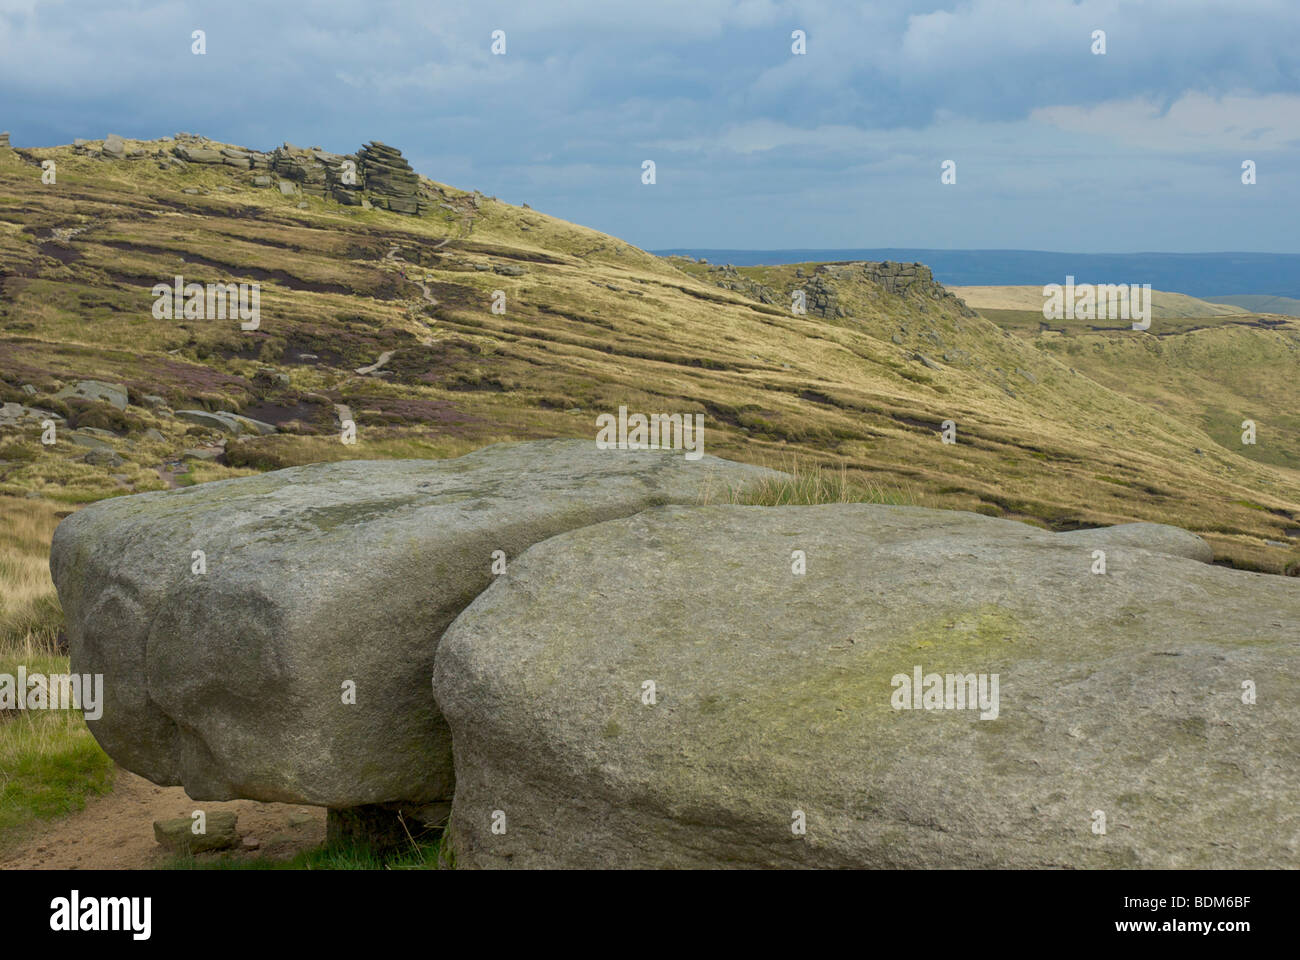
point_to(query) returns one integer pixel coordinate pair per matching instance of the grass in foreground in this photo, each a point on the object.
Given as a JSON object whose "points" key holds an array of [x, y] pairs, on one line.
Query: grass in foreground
{"points": [[416, 856], [49, 763]]}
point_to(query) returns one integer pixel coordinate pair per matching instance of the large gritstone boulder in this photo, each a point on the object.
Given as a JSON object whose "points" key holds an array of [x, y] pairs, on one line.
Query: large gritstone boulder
{"points": [[872, 686], [272, 637]]}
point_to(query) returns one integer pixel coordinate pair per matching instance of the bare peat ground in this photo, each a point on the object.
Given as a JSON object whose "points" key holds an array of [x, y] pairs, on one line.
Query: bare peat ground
{"points": [[115, 831]]}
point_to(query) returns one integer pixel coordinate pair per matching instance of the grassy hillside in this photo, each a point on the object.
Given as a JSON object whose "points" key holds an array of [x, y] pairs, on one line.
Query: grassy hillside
{"points": [[1261, 303], [861, 384]]}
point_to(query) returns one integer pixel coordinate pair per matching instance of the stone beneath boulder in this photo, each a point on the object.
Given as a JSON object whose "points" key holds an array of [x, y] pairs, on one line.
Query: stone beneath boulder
{"points": [[178, 835], [114, 393], [778, 699], [324, 585]]}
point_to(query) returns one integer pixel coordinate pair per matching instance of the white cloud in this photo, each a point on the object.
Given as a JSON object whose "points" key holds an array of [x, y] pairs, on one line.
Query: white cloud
{"points": [[1195, 123]]}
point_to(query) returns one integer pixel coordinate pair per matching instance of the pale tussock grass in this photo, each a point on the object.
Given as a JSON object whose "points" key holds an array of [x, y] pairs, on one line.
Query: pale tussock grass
{"points": [[805, 483], [30, 616]]}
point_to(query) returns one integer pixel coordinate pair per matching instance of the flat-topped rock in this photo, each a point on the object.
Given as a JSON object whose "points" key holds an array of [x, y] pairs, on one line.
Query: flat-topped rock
{"points": [[666, 690], [233, 621], [111, 393], [1159, 537], [224, 422], [193, 154]]}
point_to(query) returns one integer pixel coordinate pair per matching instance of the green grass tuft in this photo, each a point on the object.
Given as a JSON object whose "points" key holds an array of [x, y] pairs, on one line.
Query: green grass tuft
{"points": [[49, 763], [415, 856]]}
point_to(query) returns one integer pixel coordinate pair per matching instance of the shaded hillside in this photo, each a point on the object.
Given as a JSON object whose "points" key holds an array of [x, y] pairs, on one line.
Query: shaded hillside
{"points": [[864, 379]]}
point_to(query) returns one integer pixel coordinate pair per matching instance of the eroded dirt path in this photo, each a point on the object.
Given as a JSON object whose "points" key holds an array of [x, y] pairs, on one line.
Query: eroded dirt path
{"points": [[115, 831]]}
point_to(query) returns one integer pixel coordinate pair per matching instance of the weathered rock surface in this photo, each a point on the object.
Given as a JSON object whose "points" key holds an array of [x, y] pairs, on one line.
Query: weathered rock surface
{"points": [[1159, 537], [234, 424], [114, 393], [1120, 693], [15, 414], [194, 154], [232, 682]]}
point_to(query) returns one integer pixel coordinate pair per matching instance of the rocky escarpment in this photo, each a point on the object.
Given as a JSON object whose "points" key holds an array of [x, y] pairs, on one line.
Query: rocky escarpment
{"points": [[390, 179], [822, 297], [377, 175]]}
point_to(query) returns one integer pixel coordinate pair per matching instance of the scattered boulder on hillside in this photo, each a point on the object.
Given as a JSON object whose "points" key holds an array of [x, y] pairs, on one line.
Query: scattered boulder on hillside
{"points": [[295, 666], [776, 733], [232, 423], [111, 393], [84, 438], [15, 415], [114, 147]]}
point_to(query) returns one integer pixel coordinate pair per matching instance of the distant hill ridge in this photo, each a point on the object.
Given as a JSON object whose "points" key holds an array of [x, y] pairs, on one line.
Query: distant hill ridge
{"points": [[1260, 303], [1204, 275]]}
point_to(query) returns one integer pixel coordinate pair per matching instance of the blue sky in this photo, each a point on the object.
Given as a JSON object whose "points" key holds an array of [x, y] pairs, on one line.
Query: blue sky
{"points": [[1055, 147]]}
